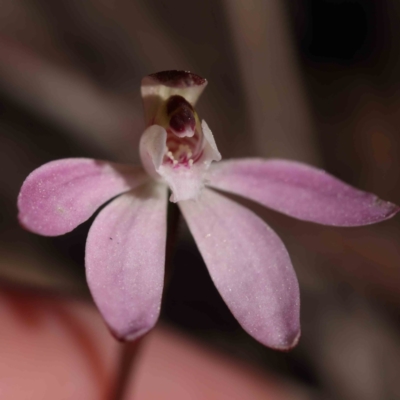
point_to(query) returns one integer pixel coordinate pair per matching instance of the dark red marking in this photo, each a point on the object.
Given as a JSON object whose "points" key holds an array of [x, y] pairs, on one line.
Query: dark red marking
{"points": [[182, 114], [175, 102], [182, 120]]}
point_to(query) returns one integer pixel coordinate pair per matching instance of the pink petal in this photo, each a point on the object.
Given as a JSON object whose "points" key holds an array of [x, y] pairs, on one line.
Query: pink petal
{"points": [[60, 195], [300, 191], [249, 266], [211, 152], [152, 149], [125, 255]]}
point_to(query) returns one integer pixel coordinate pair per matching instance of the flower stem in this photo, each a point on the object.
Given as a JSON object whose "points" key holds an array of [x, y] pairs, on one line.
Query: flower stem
{"points": [[128, 353]]}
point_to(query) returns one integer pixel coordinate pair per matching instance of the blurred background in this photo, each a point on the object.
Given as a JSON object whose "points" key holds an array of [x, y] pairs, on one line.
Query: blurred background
{"points": [[309, 80]]}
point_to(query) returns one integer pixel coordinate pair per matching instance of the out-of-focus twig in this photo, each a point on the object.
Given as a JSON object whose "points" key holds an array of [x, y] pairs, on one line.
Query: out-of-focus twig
{"points": [[66, 97], [281, 122]]}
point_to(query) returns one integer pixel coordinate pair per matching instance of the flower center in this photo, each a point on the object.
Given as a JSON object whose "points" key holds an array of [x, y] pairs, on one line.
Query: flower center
{"points": [[184, 135]]}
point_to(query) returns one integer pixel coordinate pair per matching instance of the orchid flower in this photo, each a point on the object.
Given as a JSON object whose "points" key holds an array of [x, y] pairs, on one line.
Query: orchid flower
{"points": [[125, 249]]}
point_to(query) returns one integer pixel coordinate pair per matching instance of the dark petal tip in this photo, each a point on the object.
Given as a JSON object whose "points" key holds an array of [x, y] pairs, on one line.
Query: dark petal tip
{"points": [[179, 79]]}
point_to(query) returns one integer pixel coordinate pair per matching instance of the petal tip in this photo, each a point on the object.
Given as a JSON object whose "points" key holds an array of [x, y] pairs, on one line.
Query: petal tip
{"points": [[381, 210], [40, 229], [22, 222], [291, 343], [391, 210], [129, 334], [284, 343]]}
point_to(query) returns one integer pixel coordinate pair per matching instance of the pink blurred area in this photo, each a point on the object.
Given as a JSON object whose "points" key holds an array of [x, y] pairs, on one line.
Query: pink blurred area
{"points": [[52, 348], [308, 80]]}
